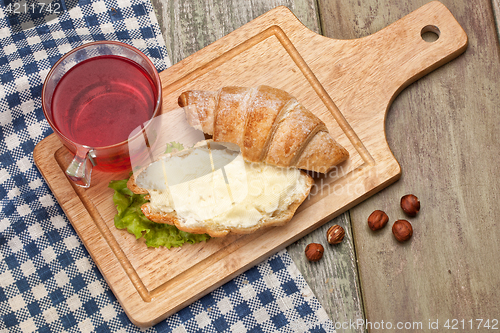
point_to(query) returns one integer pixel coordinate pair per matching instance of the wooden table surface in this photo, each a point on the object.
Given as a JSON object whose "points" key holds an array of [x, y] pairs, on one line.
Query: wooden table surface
{"points": [[443, 130]]}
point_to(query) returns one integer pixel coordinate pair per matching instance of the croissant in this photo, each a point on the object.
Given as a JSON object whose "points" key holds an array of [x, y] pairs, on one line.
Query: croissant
{"points": [[268, 124]]}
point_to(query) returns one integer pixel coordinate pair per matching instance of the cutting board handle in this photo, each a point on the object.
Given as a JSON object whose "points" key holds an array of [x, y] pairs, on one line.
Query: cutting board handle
{"points": [[415, 56], [389, 60]]}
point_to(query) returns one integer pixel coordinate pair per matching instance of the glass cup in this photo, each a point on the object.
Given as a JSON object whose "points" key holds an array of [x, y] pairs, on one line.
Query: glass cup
{"points": [[93, 98]]}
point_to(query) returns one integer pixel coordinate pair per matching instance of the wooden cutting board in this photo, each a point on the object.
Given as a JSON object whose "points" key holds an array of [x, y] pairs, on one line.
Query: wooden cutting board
{"points": [[349, 84]]}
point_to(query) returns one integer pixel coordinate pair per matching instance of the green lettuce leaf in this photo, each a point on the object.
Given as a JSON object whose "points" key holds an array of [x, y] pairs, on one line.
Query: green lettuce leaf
{"points": [[173, 147], [129, 216]]}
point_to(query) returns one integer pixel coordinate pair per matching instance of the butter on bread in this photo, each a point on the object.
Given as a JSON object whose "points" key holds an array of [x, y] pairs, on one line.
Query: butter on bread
{"points": [[216, 191]]}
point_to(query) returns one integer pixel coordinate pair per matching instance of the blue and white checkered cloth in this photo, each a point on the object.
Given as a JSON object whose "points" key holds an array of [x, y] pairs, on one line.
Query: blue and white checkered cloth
{"points": [[48, 282]]}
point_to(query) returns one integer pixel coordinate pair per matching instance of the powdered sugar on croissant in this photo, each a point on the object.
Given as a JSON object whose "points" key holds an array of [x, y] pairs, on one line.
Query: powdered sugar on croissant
{"points": [[268, 124]]}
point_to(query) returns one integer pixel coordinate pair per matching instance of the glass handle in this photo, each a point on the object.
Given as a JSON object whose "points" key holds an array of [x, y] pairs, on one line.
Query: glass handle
{"points": [[80, 169]]}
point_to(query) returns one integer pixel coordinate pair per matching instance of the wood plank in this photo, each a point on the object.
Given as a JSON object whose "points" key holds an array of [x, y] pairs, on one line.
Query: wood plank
{"points": [[334, 280], [282, 53], [443, 131], [496, 13], [190, 25]]}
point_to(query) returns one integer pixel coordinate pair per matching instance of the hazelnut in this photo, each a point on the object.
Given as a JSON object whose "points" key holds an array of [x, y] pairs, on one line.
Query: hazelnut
{"points": [[335, 234], [410, 204], [377, 220], [314, 251], [402, 230]]}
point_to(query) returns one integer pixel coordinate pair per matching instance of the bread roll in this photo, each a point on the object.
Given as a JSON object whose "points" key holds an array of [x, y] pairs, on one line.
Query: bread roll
{"points": [[211, 189]]}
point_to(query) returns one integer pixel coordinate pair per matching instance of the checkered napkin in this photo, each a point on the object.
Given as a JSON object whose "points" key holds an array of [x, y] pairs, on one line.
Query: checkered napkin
{"points": [[48, 282]]}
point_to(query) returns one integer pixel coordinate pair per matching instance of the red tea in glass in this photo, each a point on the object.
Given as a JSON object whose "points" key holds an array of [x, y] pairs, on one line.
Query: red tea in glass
{"points": [[101, 100], [93, 98]]}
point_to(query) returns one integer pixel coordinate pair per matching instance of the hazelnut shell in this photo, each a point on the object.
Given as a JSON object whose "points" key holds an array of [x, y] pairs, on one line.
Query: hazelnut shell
{"points": [[335, 234], [402, 230], [410, 205], [377, 220], [314, 251]]}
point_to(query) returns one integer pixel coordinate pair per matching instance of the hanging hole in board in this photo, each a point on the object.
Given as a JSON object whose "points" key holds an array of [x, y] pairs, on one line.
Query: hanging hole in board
{"points": [[430, 33]]}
